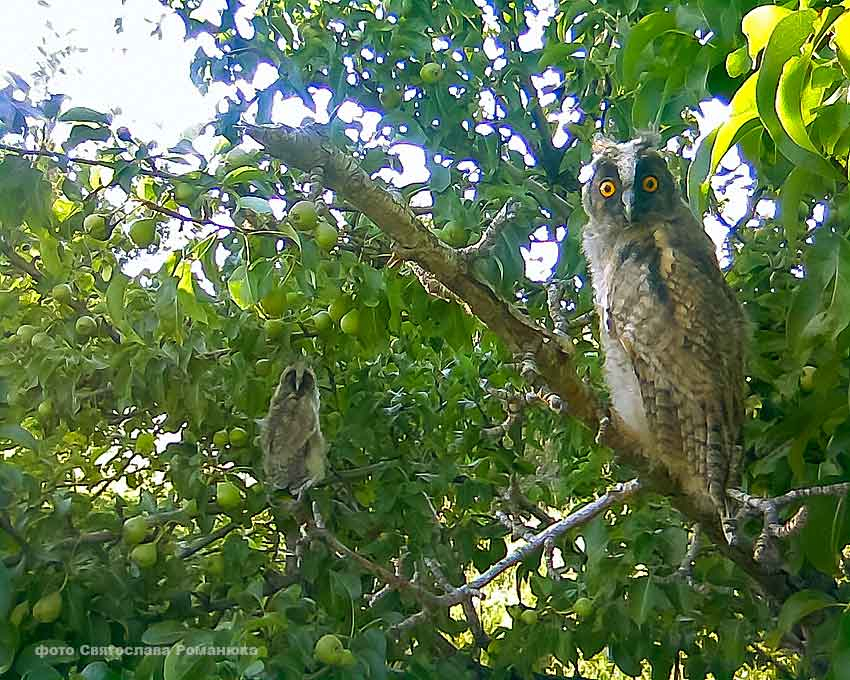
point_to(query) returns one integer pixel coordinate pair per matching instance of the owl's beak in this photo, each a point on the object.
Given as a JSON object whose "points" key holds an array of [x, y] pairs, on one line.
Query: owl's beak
{"points": [[299, 377], [628, 197]]}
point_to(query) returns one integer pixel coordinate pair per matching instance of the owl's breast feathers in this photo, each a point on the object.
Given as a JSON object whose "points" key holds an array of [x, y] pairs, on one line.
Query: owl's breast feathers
{"points": [[293, 445], [671, 316]]}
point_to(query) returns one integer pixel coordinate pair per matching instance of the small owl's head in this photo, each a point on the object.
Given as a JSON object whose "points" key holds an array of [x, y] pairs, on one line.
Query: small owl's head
{"points": [[297, 379], [630, 181]]}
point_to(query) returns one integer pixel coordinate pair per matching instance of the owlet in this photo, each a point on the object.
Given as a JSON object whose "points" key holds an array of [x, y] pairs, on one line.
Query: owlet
{"points": [[291, 437], [672, 332]]}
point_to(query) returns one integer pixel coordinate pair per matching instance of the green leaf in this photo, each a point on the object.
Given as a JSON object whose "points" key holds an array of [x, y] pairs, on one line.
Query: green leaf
{"points": [[115, 297], [738, 62], [556, 53], [19, 436], [841, 38], [49, 250], [80, 114], [255, 204], [796, 608], [180, 664], [821, 303], [85, 133], [758, 25], [99, 671], [245, 175], [7, 593], [164, 633], [698, 173], [840, 661], [641, 35], [440, 179], [790, 196], [644, 598], [9, 639], [789, 98], [186, 296], [785, 42]]}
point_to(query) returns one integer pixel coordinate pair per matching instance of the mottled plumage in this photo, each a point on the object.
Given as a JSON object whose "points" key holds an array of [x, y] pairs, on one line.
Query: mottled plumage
{"points": [[292, 442], [671, 329]]}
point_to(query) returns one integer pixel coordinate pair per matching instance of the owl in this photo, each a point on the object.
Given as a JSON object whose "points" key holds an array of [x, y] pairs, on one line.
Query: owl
{"points": [[291, 438], [671, 329]]}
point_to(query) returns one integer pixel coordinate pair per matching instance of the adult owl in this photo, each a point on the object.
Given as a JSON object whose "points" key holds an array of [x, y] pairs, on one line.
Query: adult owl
{"points": [[291, 437], [671, 329]]}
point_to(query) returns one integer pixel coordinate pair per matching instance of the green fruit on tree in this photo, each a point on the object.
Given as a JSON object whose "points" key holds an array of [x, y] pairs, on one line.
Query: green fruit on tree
{"points": [[807, 378], [322, 321], [227, 496], [62, 293], [304, 215], [431, 73], [583, 607], [238, 437], [328, 649], [214, 565], [528, 617], [274, 304], [326, 236], [144, 555], [40, 339], [263, 366], [26, 332], [390, 99], [96, 226], [143, 232], [145, 443], [454, 234], [183, 193], [346, 659], [221, 439], [350, 323], [45, 408], [339, 308], [84, 280], [48, 608], [134, 530], [86, 326], [275, 328]]}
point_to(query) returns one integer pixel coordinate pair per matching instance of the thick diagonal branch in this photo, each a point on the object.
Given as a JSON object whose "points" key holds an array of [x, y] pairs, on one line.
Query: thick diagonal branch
{"points": [[308, 148]]}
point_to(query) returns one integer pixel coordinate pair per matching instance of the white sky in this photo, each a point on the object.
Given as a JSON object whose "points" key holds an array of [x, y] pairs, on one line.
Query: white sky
{"points": [[145, 76]]}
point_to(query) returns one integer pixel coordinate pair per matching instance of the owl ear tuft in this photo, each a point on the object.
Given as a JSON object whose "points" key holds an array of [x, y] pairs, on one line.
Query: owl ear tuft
{"points": [[648, 139], [602, 144]]}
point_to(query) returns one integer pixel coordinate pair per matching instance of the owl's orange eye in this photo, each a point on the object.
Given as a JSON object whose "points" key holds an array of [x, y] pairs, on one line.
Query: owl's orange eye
{"points": [[607, 188], [650, 183]]}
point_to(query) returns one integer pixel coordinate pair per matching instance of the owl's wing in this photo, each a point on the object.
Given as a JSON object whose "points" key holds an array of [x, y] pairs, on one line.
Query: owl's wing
{"points": [[682, 328]]}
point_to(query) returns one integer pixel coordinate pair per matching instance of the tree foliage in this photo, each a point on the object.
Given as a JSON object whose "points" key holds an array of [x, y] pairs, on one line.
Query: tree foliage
{"points": [[150, 298]]}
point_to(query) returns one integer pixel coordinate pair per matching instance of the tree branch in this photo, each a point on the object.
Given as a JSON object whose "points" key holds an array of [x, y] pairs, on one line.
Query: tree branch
{"points": [[307, 148]]}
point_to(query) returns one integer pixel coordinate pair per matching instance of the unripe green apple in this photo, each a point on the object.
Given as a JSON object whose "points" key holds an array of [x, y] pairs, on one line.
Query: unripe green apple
{"points": [[86, 326], [328, 649], [144, 555], [238, 437], [227, 496], [134, 530], [63, 293], [304, 215], [48, 608], [431, 73], [350, 323]]}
